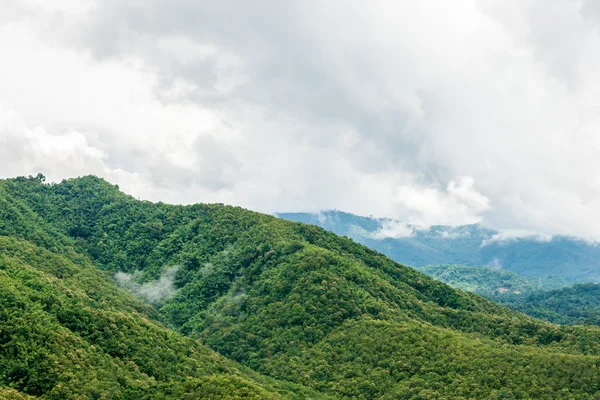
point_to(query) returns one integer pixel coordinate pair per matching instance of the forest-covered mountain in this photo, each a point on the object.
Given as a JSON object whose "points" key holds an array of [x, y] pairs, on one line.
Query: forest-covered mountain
{"points": [[569, 259], [481, 280], [576, 304], [67, 331], [221, 302]]}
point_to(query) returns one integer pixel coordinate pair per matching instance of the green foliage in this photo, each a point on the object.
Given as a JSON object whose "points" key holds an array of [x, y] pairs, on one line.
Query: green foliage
{"points": [[480, 280], [67, 332], [578, 304], [372, 359], [12, 394], [300, 306]]}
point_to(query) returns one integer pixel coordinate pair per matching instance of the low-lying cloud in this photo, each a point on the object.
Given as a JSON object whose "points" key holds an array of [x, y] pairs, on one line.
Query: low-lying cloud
{"points": [[153, 292], [495, 263], [459, 203], [515, 234], [393, 229]]}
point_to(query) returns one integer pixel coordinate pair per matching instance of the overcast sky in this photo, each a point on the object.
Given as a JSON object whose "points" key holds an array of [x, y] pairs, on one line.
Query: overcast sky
{"points": [[430, 111]]}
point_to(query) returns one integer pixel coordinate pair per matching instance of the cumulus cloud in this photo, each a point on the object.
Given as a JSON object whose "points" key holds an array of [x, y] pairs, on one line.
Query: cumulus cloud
{"points": [[427, 112], [28, 150], [154, 292], [458, 204]]}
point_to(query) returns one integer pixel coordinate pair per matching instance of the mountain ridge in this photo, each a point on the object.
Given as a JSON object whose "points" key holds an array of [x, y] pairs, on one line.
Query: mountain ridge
{"points": [[473, 245]]}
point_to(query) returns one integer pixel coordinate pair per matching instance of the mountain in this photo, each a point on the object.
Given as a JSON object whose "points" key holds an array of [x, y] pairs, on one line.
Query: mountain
{"points": [[245, 305], [576, 304], [67, 331], [569, 259], [481, 280]]}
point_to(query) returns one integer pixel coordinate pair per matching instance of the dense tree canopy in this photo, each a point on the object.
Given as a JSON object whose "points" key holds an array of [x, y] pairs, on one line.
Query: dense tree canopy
{"points": [[576, 304], [307, 313]]}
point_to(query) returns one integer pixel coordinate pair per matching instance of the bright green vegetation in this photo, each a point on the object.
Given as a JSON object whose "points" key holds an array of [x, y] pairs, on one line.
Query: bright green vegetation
{"points": [[301, 308], [12, 394], [577, 304], [66, 331]]}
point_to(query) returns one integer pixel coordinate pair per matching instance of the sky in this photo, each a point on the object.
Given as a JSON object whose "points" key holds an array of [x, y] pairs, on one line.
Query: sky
{"points": [[430, 112]]}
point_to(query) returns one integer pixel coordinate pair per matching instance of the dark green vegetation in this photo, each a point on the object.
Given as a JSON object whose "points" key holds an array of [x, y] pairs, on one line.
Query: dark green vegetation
{"points": [[577, 304], [296, 304], [569, 259]]}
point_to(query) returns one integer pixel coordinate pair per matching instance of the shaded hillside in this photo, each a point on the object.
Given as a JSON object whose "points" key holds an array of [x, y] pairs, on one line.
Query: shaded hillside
{"points": [[567, 258], [295, 303]]}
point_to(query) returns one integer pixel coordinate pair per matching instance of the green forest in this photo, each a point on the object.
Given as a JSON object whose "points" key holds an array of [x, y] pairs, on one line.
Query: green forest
{"points": [[577, 304], [481, 280], [107, 297]]}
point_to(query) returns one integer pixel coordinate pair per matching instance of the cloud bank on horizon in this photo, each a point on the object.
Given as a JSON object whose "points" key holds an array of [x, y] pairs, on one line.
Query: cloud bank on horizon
{"points": [[427, 112]]}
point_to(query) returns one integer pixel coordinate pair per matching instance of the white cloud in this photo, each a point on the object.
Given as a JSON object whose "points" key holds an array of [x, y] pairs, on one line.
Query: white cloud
{"points": [[154, 292], [427, 112], [514, 234], [28, 150], [495, 263], [459, 204], [321, 217], [454, 233], [393, 229]]}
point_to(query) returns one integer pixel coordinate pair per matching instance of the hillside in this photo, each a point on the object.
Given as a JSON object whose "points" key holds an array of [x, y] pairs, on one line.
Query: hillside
{"points": [[576, 304], [66, 331], [567, 258], [304, 309], [480, 280]]}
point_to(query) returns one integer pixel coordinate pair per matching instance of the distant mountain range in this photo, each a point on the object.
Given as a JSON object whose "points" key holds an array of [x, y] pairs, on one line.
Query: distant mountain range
{"points": [[553, 261]]}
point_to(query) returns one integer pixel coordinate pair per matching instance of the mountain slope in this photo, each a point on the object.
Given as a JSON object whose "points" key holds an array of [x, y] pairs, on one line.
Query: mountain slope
{"points": [[533, 257], [480, 280], [66, 331], [302, 305], [578, 304]]}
